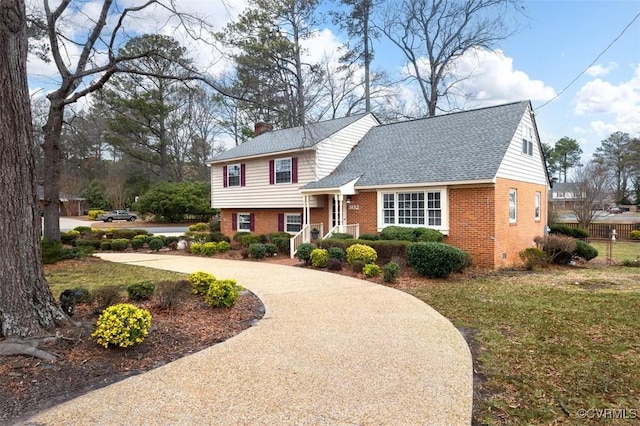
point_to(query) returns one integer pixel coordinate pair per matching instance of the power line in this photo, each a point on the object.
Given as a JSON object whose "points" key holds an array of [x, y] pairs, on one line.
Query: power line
{"points": [[591, 64]]}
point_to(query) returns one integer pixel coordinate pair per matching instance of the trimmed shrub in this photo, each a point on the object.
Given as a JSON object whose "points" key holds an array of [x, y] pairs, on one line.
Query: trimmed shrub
{"points": [[371, 270], [237, 237], [341, 236], [138, 243], [119, 244], [196, 248], [200, 237], [247, 240], [122, 325], [361, 252], [199, 227], [106, 296], [271, 249], [282, 243], [223, 246], [83, 230], [171, 239], [218, 236], [155, 243], [397, 233], [105, 245], [319, 257], [208, 249], [428, 235], [200, 282], [69, 236], [435, 260], [52, 252], [369, 237], [140, 291], [169, 294], [127, 233], [336, 253], [257, 250], [279, 234], [334, 264], [585, 250], [390, 272], [635, 235], [357, 266], [561, 229], [533, 258], [304, 252], [223, 293], [558, 249]]}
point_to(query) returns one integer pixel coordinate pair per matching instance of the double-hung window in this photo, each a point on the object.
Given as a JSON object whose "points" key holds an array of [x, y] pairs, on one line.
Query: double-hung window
{"points": [[244, 222], [292, 222], [537, 206], [513, 206], [283, 170], [419, 208], [233, 175]]}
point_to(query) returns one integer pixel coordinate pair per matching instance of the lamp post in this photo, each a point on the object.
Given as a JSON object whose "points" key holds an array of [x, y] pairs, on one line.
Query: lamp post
{"points": [[612, 238]]}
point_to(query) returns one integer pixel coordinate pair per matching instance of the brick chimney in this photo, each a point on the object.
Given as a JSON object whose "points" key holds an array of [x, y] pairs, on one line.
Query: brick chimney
{"points": [[261, 127]]}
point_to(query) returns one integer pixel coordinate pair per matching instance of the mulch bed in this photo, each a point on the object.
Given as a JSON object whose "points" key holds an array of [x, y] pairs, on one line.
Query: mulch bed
{"points": [[29, 385]]}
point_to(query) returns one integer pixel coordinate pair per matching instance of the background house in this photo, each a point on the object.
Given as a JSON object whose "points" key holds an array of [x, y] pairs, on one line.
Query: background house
{"points": [[476, 176], [70, 205]]}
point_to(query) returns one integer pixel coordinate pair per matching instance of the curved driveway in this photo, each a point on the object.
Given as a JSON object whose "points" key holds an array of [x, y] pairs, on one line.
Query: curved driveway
{"points": [[330, 350]]}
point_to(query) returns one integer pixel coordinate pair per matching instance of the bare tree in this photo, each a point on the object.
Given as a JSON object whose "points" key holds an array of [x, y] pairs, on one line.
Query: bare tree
{"points": [[589, 188], [27, 308], [97, 61], [433, 34]]}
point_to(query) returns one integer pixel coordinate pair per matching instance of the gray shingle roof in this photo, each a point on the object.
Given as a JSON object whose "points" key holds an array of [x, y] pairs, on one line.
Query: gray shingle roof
{"points": [[460, 146], [288, 139]]}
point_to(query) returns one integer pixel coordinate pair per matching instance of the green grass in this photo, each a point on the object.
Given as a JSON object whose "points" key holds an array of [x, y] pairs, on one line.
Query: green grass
{"points": [[621, 250], [94, 273], [549, 343]]}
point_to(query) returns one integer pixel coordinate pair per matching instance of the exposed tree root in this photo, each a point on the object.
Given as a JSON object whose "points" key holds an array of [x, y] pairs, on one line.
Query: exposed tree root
{"points": [[27, 347]]}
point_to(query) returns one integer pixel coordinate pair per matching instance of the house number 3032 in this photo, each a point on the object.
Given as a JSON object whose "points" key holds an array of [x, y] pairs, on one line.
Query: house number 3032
{"points": [[354, 207]]}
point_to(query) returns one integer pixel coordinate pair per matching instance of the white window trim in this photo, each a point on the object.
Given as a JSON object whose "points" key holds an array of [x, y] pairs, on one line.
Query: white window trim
{"points": [[229, 175], [513, 219], [444, 207], [527, 141], [248, 229], [286, 222], [537, 208], [275, 170]]}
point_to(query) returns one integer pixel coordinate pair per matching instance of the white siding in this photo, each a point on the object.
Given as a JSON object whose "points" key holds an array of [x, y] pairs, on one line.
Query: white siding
{"points": [[258, 193], [334, 149], [519, 166]]}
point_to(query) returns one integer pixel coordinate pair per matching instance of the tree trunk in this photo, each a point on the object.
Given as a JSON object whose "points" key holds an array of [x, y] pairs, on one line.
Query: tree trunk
{"points": [[52, 160], [27, 307]]}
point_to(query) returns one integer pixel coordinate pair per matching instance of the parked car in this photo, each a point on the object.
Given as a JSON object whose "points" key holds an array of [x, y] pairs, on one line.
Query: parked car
{"points": [[615, 210], [117, 215]]}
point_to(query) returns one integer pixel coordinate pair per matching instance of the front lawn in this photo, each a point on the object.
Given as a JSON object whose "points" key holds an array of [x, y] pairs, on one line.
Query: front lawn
{"points": [[548, 344]]}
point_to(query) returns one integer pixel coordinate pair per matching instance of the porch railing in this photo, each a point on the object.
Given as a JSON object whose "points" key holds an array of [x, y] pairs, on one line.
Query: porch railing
{"points": [[304, 236], [353, 229]]}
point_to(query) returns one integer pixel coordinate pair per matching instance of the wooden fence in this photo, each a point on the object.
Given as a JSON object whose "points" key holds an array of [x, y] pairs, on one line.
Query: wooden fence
{"points": [[603, 230]]}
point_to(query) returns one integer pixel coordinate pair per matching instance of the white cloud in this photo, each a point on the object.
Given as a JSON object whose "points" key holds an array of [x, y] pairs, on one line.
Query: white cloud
{"points": [[600, 70], [492, 79], [611, 107]]}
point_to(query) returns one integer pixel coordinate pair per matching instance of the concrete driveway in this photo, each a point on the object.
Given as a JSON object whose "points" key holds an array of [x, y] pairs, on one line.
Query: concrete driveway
{"points": [[330, 350]]}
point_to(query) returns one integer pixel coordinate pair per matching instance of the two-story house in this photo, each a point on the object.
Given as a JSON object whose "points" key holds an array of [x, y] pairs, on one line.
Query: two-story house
{"points": [[476, 176]]}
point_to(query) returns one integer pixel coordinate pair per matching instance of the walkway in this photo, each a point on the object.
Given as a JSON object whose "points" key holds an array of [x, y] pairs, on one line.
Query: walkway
{"points": [[330, 350]]}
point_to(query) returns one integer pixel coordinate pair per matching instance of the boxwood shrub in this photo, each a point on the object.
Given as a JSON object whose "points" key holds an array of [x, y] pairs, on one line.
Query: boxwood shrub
{"points": [[585, 250], [257, 250], [561, 229], [304, 252], [119, 244], [435, 260]]}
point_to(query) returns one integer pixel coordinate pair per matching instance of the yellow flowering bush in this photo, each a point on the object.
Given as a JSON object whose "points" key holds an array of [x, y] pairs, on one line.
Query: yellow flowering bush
{"points": [[371, 270], [319, 258], [362, 253], [223, 293], [122, 325], [200, 281]]}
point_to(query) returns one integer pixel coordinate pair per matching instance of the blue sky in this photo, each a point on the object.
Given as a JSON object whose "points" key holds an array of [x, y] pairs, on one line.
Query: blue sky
{"points": [[555, 44]]}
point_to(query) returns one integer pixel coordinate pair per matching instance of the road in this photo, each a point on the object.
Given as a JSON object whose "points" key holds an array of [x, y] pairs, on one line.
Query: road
{"points": [[603, 217], [67, 224]]}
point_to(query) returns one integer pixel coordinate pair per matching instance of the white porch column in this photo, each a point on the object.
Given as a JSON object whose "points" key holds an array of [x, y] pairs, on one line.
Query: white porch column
{"points": [[341, 214]]}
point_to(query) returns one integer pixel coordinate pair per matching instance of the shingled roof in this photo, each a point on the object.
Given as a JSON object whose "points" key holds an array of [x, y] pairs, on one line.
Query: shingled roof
{"points": [[284, 140], [456, 147]]}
